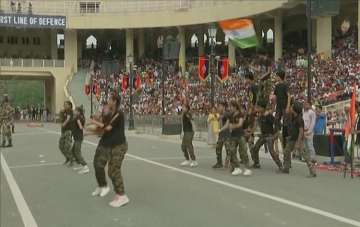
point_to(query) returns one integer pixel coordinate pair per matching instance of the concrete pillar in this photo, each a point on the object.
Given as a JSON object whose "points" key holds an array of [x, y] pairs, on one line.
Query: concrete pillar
{"points": [[201, 47], [323, 35], [129, 40], [71, 55], [231, 54], [313, 34], [50, 97], [182, 52], [141, 43], [358, 24], [278, 36], [80, 45], [53, 44]]}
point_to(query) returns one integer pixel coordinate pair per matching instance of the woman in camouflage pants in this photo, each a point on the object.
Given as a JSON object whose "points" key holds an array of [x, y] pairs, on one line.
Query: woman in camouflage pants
{"points": [[111, 150], [65, 141]]}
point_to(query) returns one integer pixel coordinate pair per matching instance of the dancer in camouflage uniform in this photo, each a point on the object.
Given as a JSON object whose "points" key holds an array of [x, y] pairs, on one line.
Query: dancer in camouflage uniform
{"points": [[6, 120]]}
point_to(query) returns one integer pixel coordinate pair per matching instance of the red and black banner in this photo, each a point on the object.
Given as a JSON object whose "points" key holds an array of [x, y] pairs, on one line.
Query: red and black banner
{"points": [[87, 89], [137, 82], [223, 69], [125, 83], [203, 68]]}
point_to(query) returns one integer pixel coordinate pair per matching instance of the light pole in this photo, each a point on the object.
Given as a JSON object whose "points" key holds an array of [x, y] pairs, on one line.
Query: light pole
{"points": [[309, 34], [212, 35], [91, 95], [131, 78]]}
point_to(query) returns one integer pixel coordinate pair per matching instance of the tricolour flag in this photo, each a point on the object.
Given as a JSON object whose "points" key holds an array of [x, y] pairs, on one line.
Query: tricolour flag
{"points": [[241, 32], [350, 125]]}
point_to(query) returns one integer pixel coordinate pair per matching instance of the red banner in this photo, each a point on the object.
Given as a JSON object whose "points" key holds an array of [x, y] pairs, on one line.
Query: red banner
{"points": [[203, 68], [125, 83], [223, 69]]}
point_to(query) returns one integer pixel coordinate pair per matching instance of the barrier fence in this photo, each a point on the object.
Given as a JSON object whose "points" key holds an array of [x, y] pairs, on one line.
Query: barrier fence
{"points": [[153, 124]]}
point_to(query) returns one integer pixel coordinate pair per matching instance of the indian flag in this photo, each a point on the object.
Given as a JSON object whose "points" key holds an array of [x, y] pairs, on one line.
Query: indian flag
{"points": [[241, 32]]}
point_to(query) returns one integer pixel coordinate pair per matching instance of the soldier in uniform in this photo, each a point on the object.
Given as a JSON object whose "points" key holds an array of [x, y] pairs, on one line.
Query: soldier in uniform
{"points": [[6, 118]]}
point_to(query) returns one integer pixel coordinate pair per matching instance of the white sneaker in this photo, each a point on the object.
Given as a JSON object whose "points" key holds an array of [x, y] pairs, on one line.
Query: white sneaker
{"points": [[104, 191], [119, 201], [247, 172], [77, 168], [96, 192], [194, 164], [185, 163], [84, 170], [236, 172]]}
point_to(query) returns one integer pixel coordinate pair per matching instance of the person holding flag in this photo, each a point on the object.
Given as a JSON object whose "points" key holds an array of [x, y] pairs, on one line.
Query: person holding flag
{"points": [[349, 131]]}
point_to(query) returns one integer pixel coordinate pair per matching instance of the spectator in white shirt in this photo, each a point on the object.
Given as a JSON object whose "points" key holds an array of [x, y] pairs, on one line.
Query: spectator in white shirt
{"points": [[309, 117]]}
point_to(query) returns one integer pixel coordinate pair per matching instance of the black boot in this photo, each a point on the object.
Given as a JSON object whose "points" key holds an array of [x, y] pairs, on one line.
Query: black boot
{"points": [[10, 144], [219, 163]]}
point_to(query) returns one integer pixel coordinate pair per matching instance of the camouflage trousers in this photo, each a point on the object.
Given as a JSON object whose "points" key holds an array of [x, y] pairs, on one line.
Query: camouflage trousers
{"points": [[268, 142], [235, 144], [76, 152], [65, 145], [5, 129], [219, 147], [114, 158], [187, 146], [290, 146]]}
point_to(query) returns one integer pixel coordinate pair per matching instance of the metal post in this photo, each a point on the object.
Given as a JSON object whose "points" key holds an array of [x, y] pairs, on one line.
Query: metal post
{"points": [[131, 117], [309, 34], [163, 72], [212, 72], [91, 95]]}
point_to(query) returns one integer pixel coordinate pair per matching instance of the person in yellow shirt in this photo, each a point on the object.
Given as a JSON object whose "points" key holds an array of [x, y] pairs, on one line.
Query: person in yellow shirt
{"points": [[213, 126]]}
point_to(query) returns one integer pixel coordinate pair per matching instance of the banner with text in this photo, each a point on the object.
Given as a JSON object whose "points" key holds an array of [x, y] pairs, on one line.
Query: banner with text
{"points": [[32, 21]]}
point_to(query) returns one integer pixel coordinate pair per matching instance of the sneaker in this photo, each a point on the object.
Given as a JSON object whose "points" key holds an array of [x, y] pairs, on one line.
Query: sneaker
{"points": [[311, 175], [84, 170], [96, 192], [217, 166], [237, 171], [119, 201], [193, 164], [104, 191], [247, 172], [185, 163], [78, 167]]}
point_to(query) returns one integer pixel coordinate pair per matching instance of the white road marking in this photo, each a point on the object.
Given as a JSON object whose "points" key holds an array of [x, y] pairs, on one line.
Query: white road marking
{"points": [[29, 134], [25, 213], [300, 206]]}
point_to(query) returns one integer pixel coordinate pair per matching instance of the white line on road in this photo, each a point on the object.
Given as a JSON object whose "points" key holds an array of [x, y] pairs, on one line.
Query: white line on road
{"points": [[307, 208], [25, 213]]}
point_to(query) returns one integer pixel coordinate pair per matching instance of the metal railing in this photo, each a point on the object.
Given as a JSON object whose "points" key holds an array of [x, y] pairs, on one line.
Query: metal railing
{"points": [[24, 62], [58, 7], [152, 124]]}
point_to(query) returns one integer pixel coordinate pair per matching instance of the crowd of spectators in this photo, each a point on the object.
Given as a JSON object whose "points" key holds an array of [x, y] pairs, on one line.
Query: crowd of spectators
{"points": [[332, 80], [32, 113]]}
